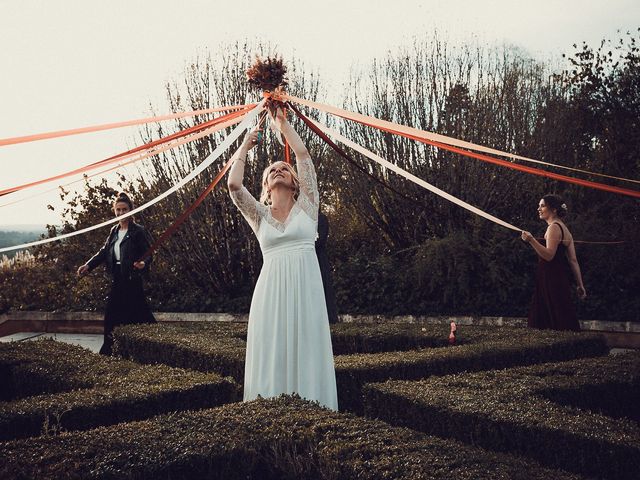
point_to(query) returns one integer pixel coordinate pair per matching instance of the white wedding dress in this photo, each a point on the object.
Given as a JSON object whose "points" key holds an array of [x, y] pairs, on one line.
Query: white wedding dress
{"points": [[288, 339]]}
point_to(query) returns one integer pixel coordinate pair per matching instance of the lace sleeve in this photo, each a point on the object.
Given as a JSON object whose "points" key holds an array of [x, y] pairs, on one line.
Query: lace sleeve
{"points": [[251, 209], [309, 196]]}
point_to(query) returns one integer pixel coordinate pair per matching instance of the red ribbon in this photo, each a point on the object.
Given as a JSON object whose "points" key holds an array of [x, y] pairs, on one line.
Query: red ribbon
{"points": [[342, 153], [185, 214], [514, 166], [146, 146]]}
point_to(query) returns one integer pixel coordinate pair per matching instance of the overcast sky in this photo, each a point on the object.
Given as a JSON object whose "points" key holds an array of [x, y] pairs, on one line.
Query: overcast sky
{"points": [[73, 63]]}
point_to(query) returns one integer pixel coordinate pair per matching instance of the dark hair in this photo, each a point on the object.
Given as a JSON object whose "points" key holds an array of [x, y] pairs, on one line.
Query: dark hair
{"points": [[555, 202], [123, 197]]}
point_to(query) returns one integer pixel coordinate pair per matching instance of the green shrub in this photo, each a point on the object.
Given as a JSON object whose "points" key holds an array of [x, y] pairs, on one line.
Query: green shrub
{"points": [[283, 438], [220, 347], [579, 415], [205, 346], [191, 345], [52, 386]]}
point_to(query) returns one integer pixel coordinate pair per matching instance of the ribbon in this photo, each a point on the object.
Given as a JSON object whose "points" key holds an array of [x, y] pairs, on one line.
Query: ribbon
{"points": [[413, 178], [343, 154], [147, 154], [213, 156], [110, 126], [287, 152], [448, 143], [124, 154], [185, 214], [522, 168], [316, 129]]}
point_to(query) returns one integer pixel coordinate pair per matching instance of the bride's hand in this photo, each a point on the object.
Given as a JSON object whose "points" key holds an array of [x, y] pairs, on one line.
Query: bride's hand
{"points": [[251, 139], [280, 118]]}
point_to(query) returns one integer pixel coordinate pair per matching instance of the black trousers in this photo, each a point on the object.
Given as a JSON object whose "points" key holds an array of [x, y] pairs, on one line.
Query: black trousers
{"points": [[126, 305]]}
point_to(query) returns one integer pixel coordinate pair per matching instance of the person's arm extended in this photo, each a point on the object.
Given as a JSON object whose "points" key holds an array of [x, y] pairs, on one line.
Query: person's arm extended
{"points": [[553, 237], [97, 259], [236, 174], [304, 164]]}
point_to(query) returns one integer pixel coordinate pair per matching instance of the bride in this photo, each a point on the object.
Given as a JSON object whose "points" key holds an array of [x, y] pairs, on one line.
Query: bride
{"points": [[288, 340]]}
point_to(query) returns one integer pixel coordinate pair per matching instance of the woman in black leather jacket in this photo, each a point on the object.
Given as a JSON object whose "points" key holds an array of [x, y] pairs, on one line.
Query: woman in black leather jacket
{"points": [[126, 244]]}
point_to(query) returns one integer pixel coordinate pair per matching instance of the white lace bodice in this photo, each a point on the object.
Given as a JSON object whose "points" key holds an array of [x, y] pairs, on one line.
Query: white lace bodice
{"points": [[257, 214]]}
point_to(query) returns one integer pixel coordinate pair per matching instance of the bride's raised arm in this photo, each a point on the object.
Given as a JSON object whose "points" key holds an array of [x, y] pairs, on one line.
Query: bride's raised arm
{"points": [[246, 203], [306, 171]]}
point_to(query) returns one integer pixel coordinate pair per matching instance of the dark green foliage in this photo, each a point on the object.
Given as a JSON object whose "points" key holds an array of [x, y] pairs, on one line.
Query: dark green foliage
{"points": [[220, 348], [208, 347], [579, 415], [463, 272], [49, 386], [481, 348], [283, 438]]}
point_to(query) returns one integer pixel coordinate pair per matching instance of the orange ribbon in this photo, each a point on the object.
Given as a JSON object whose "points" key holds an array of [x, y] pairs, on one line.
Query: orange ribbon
{"points": [[126, 160], [128, 153], [447, 143], [109, 126]]}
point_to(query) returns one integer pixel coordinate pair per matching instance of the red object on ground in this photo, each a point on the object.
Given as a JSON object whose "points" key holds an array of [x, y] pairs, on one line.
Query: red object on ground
{"points": [[452, 334]]}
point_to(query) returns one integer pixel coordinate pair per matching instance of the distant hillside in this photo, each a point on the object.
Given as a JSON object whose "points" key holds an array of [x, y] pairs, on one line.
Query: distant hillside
{"points": [[23, 228], [17, 234]]}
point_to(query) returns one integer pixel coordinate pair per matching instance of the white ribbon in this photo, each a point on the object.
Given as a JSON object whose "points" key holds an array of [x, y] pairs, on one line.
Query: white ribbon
{"points": [[213, 156], [412, 178], [130, 158], [436, 137]]}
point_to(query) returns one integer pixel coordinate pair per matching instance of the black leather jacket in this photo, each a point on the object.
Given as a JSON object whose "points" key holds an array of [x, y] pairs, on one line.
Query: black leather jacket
{"points": [[134, 244]]}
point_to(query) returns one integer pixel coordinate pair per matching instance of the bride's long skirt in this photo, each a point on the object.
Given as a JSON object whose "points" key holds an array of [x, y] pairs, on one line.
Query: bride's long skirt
{"points": [[288, 341]]}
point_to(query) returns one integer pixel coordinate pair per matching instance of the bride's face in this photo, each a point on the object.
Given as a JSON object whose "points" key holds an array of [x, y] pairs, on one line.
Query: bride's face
{"points": [[279, 175]]}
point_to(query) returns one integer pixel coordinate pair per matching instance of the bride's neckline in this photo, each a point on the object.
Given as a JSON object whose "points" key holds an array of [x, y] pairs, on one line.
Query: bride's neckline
{"points": [[286, 217], [281, 225]]}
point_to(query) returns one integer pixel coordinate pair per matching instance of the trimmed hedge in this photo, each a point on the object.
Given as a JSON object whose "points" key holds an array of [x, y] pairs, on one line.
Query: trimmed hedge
{"points": [[190, 345], [220, 347], [350, 338], [205, 346], [283, 438], [580, 415], [50, 386], [482, 348]]}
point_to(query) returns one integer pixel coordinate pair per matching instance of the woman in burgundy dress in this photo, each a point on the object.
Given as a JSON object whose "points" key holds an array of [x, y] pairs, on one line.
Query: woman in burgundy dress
{"points": [[551, 306]]}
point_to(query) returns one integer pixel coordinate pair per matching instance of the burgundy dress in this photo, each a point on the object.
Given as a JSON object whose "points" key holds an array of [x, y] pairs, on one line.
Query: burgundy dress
{"points": [[551, 305]]}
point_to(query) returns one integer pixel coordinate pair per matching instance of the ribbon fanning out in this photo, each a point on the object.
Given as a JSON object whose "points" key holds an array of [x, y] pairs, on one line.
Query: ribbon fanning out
{"points": [[459, 146], [110, 126], [219, 150], [412, 178], [344, 154], [120, 156], [522, 168], [130, 158], [189, 210]]}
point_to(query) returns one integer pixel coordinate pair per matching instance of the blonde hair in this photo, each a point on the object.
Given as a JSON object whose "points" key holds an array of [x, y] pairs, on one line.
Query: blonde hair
{"points": [[265, 195]]}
